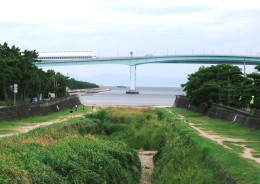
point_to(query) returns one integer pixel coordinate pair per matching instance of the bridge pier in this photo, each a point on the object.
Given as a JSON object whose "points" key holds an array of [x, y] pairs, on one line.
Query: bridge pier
{"points": [[132, 89]]}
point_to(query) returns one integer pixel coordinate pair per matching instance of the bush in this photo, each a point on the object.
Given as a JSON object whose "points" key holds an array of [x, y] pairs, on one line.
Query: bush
{"points": [[101, 115], [91, 161], [78, 160], [159, 115], [143, 130], [88, 126]]}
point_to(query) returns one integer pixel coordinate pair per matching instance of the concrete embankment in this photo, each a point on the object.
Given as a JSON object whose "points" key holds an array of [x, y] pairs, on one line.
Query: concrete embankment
{"points": [[41, 108], [251, 120], [82, 92]]}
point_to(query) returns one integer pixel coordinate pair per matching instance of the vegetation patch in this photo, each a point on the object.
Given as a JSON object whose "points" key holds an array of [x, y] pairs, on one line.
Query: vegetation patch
{"points": [[183, 160], [223, 128], [63, 115], [227, 164], [179, 159], [99, 148], [224, 84], [141, 130], [72, 161], [62, 154]]}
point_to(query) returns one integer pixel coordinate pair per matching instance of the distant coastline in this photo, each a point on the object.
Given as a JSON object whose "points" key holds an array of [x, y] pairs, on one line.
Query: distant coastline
{"points": [[121, 86]]}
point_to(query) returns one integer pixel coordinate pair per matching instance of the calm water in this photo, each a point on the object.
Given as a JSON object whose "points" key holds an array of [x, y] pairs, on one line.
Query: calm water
{"points": [[148, 96]]}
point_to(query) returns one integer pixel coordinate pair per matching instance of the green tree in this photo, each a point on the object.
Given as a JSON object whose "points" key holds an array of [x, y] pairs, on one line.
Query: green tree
{"points": [[9, 70], [17, 67], [61, 84], [258, 67], [217, 83], [223, 84], [30, 81], [254, 87], [74, 84]]}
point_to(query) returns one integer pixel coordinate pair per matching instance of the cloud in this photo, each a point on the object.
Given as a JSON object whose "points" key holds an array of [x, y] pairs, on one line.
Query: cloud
{"points": [[116, 27]]}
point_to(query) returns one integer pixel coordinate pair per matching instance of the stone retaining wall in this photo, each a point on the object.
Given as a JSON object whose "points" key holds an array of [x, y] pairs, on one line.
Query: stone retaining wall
{"points": [[222, 112], [41, 108]]}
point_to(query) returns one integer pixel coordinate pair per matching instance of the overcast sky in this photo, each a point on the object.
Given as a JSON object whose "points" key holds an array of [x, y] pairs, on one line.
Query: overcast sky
{"points": [[116, 27]]}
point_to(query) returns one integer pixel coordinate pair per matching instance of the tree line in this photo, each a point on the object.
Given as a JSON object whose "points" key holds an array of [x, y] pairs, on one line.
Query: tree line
{"points": [[224, 84], [17, 67]]}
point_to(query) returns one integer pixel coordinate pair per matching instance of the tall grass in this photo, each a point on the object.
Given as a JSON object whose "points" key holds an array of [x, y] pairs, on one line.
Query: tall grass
{"points": [[143, 130], [47, 155], [179, 158], [69, 154], [184, 161], [226, 164]]}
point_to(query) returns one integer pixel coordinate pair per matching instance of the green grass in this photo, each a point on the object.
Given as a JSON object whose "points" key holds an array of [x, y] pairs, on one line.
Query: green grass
{"points": [[10, 126], [224, 128], [98, 148], [78, 160], [179, 159], [234, 146], [60, 154], [2, 103], [244, 170], [138, 128], [3, 131]]}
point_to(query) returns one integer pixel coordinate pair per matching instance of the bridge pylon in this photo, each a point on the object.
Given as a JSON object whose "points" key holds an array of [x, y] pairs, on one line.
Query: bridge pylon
{"points": [[132, 89]]}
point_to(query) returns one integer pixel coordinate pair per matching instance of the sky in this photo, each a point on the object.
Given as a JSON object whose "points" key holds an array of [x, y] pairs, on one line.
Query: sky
{"points": [[117, 27]]}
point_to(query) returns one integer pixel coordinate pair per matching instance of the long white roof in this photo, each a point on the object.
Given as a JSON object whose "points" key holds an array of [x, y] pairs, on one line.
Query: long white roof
{"points": [[64, 54]]}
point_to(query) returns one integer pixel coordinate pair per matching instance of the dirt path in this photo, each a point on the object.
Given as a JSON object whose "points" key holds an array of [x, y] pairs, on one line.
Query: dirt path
{"points": [[247, 153], [146, 158], [27, 128]]}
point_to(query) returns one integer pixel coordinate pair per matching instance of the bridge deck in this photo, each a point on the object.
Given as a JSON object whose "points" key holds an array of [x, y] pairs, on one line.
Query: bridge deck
{"points": [[189, 59], [134, 61]]}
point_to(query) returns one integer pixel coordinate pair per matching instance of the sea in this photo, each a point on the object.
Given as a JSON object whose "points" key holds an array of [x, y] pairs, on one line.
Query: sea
{"points": [[148, 96]]}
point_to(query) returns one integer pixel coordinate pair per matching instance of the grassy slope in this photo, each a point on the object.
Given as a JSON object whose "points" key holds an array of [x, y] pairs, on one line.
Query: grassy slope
{"points": [[178, 161], [246, 171], [11, 126], [59, 154], [139, 131]]}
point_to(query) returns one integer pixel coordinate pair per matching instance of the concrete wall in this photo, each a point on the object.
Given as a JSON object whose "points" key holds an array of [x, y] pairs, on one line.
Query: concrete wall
{"points": [[41, 108], [222, 112], [256, 113]]}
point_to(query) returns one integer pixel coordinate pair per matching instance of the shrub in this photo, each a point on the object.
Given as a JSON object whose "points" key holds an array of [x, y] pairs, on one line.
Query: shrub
{"points": [[77, 160], [94, 161], [160, 115], [101, 115], [88, 126], [141, 131]]}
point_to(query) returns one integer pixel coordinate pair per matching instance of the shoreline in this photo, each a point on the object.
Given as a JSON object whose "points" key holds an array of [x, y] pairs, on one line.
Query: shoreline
{"points": [[126, 105], [84, 92]]}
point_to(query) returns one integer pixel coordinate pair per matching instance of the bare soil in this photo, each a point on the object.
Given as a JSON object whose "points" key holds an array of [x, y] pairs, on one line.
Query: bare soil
{"points": [[146, 158]]}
